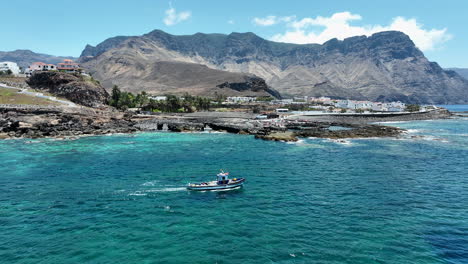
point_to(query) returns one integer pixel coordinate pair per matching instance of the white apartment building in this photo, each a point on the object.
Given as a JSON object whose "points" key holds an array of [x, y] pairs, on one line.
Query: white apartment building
{"points": [[240, 99], [8, 65]]}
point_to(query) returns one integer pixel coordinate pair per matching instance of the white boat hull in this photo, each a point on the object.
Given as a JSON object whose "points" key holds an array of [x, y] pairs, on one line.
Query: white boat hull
{"points": [[216, 187]]}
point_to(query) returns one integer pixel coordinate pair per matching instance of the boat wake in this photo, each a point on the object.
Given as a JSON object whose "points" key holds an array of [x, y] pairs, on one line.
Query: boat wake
{"points": [[156, 190], [168, 189], [150, 183]]}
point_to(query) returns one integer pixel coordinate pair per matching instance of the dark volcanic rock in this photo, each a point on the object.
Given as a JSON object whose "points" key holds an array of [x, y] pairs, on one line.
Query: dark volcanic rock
{"points": [[42, 123], [253, 84], [74, 87]]}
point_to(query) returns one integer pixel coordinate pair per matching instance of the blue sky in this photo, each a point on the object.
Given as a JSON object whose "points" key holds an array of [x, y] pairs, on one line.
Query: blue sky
{"points": [[64, 27]]}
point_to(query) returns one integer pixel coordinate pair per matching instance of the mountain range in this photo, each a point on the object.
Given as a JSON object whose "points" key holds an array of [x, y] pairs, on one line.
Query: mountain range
{"points": [[386, 66], [24, 58]]}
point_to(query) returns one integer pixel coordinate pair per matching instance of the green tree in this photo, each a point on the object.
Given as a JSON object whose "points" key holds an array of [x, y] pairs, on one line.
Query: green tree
{"points": [[115, 96], [412, 108], [141, 99]]}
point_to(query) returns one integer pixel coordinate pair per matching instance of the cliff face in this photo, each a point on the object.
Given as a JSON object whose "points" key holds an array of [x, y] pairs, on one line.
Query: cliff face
{"points": [[385, 66], [76, 88]]}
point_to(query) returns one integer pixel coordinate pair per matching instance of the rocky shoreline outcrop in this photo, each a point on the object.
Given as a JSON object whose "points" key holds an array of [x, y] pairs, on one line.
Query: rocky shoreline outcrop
{"points": [[56, 122], [77, 88], [69, 122], [243, 124]]}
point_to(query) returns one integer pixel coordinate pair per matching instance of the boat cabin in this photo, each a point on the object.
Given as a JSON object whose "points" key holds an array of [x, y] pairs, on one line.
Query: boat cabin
{"points": [[223, 178]]}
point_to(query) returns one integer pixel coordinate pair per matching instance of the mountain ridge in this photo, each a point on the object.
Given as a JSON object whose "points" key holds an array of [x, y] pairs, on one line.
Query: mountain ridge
{"points": [[25, 57], [385, 66], [463, 72]]}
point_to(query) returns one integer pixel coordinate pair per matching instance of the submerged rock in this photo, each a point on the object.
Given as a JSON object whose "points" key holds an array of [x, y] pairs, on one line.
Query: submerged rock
{"points": [[279, 136]]}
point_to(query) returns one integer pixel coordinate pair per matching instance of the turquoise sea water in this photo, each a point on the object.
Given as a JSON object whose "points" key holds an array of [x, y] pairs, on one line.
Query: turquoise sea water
{"points": [[121, 199]]}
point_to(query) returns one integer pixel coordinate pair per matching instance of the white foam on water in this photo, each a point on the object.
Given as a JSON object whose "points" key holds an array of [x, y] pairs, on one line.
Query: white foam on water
{"points": [[340, 141], [150, 183], [299, 142], [168, 189], [33, 142], [137, 193], [392, 122], [424, 138]]}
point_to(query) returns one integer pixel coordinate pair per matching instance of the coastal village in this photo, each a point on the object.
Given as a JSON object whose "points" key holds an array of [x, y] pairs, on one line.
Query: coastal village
{"points": [[304, 105], [13, 69], [65, 87]]}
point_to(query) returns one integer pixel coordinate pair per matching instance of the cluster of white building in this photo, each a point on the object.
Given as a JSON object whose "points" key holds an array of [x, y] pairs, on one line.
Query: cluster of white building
{"points": [[240, 99], [374, 106], [66, 66], [326, 102], [362, 105]]}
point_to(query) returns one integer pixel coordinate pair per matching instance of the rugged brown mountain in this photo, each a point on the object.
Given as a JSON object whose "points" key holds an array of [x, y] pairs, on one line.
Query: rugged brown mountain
{"points": [[385, 66], [134, 72]]}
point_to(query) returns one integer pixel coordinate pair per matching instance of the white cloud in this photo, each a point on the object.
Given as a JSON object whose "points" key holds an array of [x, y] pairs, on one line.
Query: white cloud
{"points": [[232, 22], [172, 17], [267, 21], [321, 29], [271, 20]]}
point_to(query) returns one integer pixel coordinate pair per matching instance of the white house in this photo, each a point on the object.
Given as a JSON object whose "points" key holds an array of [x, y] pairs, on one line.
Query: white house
{"points": [[379, 107], [345, 104], [282, 110], [39, 66], [363, 105], [396, 105], [158, 98], [240, 99], [8, 65]]}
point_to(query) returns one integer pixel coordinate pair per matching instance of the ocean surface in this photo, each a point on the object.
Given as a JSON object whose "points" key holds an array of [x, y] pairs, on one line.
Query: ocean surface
{"points": [[121, 199]]}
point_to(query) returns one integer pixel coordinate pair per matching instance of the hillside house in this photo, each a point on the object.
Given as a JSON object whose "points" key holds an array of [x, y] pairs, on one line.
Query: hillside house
{"points": [[8, 65], [68, 66]]}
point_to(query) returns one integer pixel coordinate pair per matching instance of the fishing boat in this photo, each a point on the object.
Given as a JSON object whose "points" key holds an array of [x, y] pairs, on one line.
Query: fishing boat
{"points": [[222, 182]]}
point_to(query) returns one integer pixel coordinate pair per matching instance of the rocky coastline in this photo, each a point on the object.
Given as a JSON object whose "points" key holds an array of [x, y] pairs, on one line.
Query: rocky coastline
{"points": [[40, 121]]}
